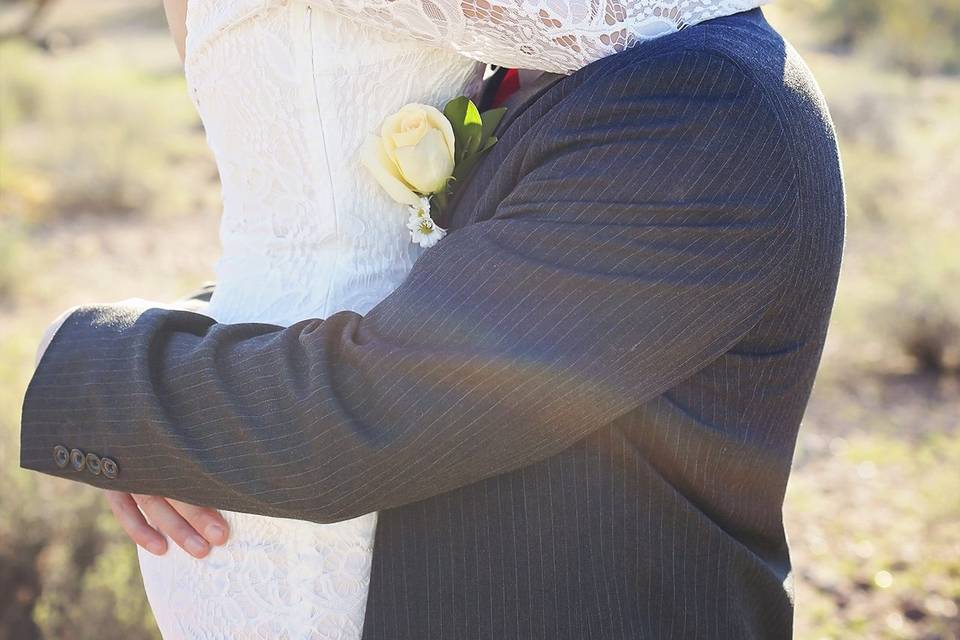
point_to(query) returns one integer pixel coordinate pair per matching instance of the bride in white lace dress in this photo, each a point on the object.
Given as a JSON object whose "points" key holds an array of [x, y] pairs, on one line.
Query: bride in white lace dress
{"points": [[287, 91]]}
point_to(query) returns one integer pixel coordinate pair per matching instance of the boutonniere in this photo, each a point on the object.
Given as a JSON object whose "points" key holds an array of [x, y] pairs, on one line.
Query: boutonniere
{"points": [[422, 152]]}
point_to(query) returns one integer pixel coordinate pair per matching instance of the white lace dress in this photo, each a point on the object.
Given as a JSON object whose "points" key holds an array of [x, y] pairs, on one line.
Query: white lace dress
{"points": [[287, 90]]}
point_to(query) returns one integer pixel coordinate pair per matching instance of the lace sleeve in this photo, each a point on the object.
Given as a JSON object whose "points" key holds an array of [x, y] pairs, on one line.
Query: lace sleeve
{"points": [[549, 35]]}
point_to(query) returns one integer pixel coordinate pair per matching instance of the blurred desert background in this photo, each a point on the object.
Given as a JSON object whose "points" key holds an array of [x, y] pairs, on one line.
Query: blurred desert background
{"points": [[107, 191]]}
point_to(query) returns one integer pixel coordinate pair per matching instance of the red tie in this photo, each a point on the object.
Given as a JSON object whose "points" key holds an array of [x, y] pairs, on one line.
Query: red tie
{"points": [[509, 84]]}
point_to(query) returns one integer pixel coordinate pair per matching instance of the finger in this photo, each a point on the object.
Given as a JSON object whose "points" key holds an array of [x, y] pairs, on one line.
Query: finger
{"points": [[125, 509], [207, 521], [166, 519]]}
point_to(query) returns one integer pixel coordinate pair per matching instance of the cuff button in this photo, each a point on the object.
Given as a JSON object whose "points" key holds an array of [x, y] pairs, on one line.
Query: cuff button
{"points": [[61, 456], [93, 464], [109, 468], [77, 459]]}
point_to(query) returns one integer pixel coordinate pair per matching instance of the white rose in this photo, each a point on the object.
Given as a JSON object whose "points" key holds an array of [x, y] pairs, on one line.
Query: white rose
{"points": [[413, 155]]}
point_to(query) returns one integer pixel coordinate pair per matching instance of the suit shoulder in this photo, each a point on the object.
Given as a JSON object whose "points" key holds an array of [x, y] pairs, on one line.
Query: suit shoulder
{"points": [[691, 69], [756, 50], [707, 59], [741, 49]]}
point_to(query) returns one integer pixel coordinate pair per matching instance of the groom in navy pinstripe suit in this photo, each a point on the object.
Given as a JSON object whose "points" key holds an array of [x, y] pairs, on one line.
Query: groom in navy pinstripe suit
{"points": [[578, 413]]}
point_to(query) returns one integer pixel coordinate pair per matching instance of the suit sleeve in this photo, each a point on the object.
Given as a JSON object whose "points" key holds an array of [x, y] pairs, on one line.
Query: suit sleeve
{"points": [[642, 240]]}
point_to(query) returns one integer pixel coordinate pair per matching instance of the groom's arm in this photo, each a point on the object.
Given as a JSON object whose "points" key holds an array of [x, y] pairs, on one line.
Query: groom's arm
{"points": [[652, 228]]}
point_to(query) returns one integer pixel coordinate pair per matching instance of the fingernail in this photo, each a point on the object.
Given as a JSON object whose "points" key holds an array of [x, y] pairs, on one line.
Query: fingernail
{"points": [[196, 545], [215, 533], [157, 548]]}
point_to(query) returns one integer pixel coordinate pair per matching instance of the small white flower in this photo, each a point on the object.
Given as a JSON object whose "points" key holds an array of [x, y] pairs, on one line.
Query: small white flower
{"points": [[423, 231], [419, 211]]}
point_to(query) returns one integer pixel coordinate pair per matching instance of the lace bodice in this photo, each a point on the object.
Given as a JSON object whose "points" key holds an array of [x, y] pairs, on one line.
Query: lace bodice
{"points": [[287, 90], [287, 94]]}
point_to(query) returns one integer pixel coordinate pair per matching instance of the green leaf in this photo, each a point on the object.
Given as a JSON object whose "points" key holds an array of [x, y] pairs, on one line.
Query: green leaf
{"points": [[467, 126], [474, 126], [465, 166], [491, 119]]}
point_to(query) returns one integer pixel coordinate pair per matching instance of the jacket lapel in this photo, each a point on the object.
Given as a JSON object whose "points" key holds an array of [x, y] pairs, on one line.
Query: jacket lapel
{"points": [[526, 95], [467, 194]]}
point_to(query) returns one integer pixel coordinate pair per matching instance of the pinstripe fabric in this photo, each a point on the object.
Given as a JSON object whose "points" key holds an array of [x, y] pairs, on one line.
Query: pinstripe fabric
{"points": [[578, 413]]}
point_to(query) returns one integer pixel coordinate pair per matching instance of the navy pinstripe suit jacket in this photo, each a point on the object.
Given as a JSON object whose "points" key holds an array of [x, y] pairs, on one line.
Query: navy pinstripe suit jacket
{"points": [[578, 413]]}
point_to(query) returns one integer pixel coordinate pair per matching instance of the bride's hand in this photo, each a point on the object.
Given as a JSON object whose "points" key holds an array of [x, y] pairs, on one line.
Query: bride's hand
{"points": [[194, 529]]}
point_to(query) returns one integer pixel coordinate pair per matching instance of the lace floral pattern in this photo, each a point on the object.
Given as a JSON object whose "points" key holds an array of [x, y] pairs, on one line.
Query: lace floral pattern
{"points": [[550, 35], [287, 90], [275, 579], [560, 36]]}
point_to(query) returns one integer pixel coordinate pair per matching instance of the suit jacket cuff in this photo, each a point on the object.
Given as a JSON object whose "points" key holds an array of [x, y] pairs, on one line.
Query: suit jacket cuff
{"points": [[66, 429]]}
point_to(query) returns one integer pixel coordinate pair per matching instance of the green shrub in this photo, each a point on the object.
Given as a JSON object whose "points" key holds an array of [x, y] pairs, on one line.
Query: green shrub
{"points": [[929, 333], [10, 267], [921, 314], [919, 37], [87, 134]]}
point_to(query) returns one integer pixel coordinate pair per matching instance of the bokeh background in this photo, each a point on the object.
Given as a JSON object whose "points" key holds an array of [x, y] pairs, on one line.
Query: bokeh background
{"points": [[107, 191]]}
